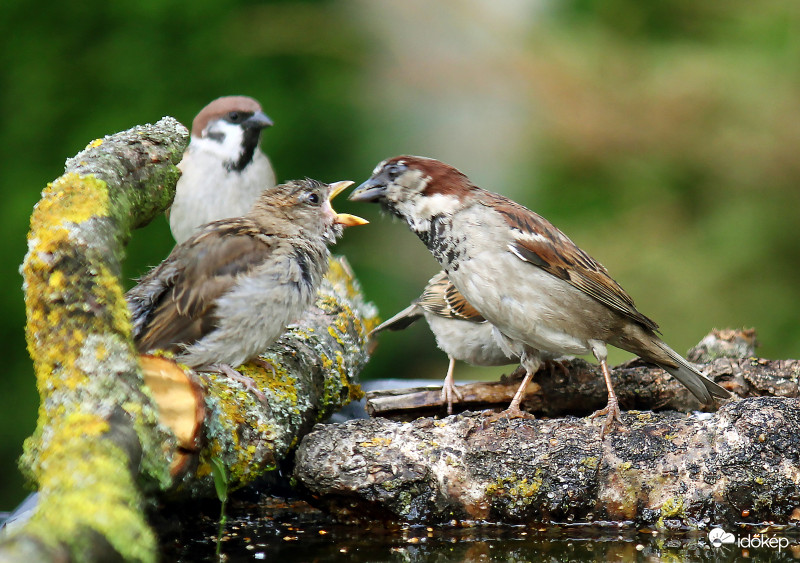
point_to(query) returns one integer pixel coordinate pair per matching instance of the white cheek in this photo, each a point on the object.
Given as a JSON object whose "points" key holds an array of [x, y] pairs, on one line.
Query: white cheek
{"points": [[437, 204], [231, 145], [419, 210]]}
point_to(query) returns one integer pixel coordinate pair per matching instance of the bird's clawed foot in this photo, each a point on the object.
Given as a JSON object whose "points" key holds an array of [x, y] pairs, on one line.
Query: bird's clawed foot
{"points": [[509, 414], [450, 394], [612, 414], [515, 412], [248, 382], [264, 364]]}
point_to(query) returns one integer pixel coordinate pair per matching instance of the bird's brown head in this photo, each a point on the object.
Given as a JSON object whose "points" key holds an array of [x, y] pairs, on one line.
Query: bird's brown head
{"points": [[236, 110], [231, 128], [415, 188], [305, 205]]}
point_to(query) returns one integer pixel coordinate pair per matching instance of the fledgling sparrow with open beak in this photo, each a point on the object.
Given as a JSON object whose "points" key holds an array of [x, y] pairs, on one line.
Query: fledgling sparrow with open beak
{"points": [[223, 296], [523, 275], [223, 169], [461, 332]]}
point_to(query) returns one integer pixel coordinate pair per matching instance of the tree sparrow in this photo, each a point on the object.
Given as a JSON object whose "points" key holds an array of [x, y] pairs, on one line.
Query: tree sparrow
{"points": [[224, 295], [223, 170], [460, 331], [523, 275]]}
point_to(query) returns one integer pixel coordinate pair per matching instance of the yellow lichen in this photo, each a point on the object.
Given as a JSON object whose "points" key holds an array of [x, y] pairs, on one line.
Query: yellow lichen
{"points": [[56, 281], [376, 441], [673, 507], [514, 491], [590, 462], [96, 488], [280, 383], [71, 198]]}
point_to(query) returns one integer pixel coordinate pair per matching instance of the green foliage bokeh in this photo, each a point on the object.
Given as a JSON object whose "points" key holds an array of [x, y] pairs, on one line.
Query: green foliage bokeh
{"points": [[661, 136]]}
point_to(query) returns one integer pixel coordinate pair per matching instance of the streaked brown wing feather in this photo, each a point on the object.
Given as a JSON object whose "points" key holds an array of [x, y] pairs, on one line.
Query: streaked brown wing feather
{"points": [[212, 262], [540, 243], [442, 298]]}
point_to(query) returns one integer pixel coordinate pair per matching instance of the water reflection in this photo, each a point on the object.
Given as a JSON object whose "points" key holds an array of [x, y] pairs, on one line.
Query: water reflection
{"points": [[289, 530]]}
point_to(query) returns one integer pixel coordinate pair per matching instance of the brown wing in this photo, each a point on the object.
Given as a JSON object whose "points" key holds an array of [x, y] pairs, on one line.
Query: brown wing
{"points": [[441, 298], [202, 269], [539, 242]]}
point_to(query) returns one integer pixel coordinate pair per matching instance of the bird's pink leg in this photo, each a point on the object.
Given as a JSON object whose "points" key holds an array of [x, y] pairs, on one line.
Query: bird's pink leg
{"points": [[449, 389], [513, 410], [611, 410], [531, 363], [248, 382], [264, 364]]}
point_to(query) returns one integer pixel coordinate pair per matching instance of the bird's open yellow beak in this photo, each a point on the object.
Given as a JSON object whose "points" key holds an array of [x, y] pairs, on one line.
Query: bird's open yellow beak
{"points": [[345, 218]]}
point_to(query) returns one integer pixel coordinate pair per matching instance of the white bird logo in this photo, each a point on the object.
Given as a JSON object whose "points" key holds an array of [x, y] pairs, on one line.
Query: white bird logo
{"points": [[718, 536]]}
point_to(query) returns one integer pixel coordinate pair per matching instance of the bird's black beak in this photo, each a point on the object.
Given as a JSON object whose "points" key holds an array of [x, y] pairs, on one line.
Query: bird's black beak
{"points": [[371, 190], [259, 120]]}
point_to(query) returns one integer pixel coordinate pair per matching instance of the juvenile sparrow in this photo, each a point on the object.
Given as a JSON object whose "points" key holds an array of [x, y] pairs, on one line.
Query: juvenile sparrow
{"points": [[460, 331], [228, 292], [223, 170], [523, 275]]}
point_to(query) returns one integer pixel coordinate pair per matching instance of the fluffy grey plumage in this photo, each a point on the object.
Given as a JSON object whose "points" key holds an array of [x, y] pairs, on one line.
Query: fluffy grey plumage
{"points": [[460, 331], [229, 291]]}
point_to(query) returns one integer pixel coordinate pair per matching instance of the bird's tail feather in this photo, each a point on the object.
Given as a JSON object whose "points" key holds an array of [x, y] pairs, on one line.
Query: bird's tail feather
{"points": [[401, 320], [700, 386]]}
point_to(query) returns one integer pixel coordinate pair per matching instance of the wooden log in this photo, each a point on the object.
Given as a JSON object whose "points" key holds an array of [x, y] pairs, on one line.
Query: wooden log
{"points": [[657, 469], [576, 386]]}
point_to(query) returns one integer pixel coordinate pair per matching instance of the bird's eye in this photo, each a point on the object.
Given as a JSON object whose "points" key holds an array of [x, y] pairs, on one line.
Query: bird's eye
{"points": [[393, 171], [234, 117], [312, 198]]}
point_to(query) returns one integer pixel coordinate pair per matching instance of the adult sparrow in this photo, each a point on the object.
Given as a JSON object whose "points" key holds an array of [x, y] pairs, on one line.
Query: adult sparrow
{"points": [[223, 169], [461, 332], [523, 275], [224, 295]]}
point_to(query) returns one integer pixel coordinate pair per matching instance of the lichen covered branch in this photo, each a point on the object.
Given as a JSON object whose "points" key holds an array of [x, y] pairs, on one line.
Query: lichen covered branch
{"points": [[105, 441], [98, 444], [315, 363]]}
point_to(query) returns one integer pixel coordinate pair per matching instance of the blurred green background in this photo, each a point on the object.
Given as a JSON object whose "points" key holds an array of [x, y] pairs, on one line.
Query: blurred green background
{"points": [[662, 137]]}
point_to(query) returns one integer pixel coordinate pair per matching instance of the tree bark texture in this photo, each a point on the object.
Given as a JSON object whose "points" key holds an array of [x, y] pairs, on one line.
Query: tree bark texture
{"points": [[658, 469], [101, 449], [577, 387]]}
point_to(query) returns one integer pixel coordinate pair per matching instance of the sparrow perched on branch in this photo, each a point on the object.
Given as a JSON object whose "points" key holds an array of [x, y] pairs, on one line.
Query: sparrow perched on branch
{"points": [[228, 292], [461, 332], [523, 275], [223, 170]]}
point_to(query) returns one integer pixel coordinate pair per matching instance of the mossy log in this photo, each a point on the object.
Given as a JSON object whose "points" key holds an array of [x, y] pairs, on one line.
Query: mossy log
{"points": [[658, 469], [102, 448]]}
